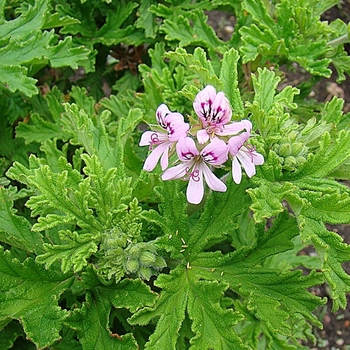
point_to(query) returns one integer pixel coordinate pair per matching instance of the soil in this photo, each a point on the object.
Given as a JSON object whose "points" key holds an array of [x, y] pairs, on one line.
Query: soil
{"points": [[335, 334]]}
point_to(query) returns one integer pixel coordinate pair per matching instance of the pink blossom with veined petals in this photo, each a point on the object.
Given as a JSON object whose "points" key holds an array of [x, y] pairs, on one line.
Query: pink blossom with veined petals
{"points": [[214, 111], [161, 142], [243, 156], [194, 167]]}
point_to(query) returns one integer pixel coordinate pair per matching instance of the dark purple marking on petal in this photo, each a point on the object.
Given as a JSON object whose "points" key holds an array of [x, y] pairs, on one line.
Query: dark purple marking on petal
{"points": [[195, 175], [251, 150], [209, 157], [154, 140], [187, 155]]}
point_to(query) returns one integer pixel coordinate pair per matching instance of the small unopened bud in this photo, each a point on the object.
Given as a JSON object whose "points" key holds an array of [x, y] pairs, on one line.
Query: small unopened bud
{"points": [[285, 150], [147, 258], [145, 273], [131, 265], [159, 263]]}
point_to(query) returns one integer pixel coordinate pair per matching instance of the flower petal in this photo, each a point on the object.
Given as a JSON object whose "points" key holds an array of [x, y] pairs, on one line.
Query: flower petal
{"points": [[176, 172], [146, 138], [236, 142], [215, 152], [221, 109], [177, 128], [186, 149], [236, 171], [247, 162], [195, 189], [258, 158], [164, 160], [150, 138], [235, 127], [161, 113], [202, 136], [203, 101], [213, 182], [153, 158]]}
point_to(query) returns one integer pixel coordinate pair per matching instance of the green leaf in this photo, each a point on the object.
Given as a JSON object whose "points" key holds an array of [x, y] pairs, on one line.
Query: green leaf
{"points": [[334, 253], [30, 294], [332, 152], [267, 198], [229, 79], [15, 78], [146, 19], [39, 130], [277, 240], [219, 217], [196, 63], [29, 22], [258, 10], [92, 323], [10, 333], [111, 32], [24, 43], [199, 34], [16, 230], [175, 289], [265, 83], [73, 255], [286, 31], [57, 194], [90, 132], [133, 294], [211, 325], [326, 200], [276, 297], [333, 110]]}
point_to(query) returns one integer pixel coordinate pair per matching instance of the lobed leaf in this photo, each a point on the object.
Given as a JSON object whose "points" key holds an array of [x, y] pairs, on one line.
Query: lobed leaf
{"points": [[30, 294], [334, 253], [197, 63], [133, 294], [91, 133], [211, 324], [92, 323], [39, 130], [229, 79], [175, 292], [72, 253], [332, 153], [57, 195], [219, 217], [16, 230]]}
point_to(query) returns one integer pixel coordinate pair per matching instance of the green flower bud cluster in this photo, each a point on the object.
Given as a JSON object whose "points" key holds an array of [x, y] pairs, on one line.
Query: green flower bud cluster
{"points": [[143, 260], [292, 151], [297, 142], [120, 256]]}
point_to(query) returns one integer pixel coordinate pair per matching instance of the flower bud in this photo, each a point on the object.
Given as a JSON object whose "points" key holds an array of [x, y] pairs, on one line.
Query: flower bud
{"points": [[285, 149], [145, 273], [131, 265], [147, 258]]}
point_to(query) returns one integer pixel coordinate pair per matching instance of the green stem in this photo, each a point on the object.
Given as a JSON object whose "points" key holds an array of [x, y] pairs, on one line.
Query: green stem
{"points": [[339, 41]]}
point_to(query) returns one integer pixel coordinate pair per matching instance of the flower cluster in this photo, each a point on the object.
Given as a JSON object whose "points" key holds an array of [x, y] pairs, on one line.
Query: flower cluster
{"points": [[203, 147]]}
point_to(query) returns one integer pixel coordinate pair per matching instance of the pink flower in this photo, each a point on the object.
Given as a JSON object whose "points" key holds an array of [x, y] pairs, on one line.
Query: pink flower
{"points": [[194, 167], [161, 142], [214, 111], [243, 156]]}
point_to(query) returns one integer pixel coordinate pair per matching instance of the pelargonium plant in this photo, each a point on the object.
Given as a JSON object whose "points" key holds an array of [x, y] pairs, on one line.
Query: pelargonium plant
{"points": [[213, 139]]}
